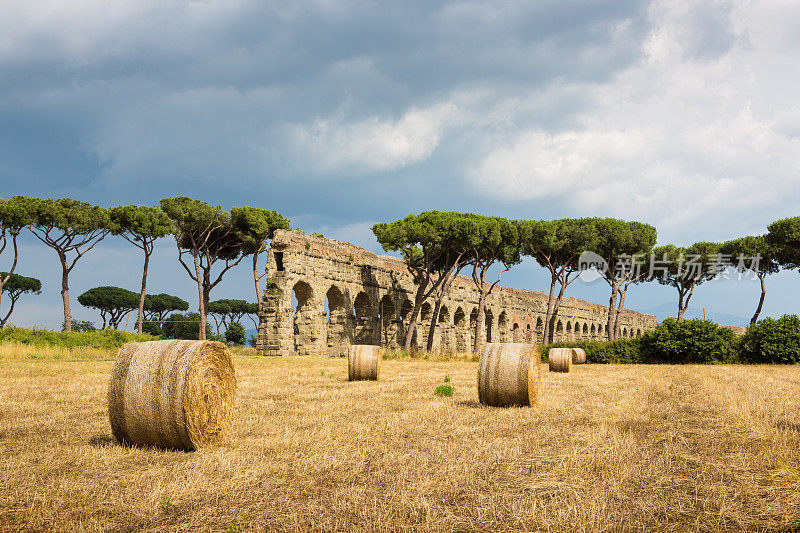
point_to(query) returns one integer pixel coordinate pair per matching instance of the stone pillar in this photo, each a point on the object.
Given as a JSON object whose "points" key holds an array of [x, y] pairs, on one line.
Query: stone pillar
{"points": [[275, 332]]}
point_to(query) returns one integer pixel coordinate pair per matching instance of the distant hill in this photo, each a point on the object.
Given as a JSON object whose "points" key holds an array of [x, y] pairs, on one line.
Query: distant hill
{"points": [[670, 309]]}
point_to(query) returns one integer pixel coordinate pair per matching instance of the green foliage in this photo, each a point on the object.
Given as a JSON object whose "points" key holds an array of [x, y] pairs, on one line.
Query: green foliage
{"points": [[748, 247], [772, 341], [255, 226], [784, 236], [152, 328], [184, 326], [618, 351], [139, 224], [15, 287], [14, 215], [235, 334], [320, 235], [17, 284], [444, 390], [112, 302], [252, 341], [156, 306], [105, 339], [71, 218], [447, 379], [81, 325], [688, 341], [69, 227], [202, 229]]}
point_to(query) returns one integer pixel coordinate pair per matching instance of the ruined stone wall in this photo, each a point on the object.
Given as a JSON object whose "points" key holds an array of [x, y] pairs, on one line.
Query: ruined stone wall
{"points": [[347, 295]]}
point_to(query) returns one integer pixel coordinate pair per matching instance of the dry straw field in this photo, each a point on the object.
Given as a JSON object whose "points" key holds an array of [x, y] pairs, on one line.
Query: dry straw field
{"points": [[610, 448]]}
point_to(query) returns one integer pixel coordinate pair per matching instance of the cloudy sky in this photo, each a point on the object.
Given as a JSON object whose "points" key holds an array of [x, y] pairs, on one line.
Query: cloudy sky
{"points": [[344, 113]]}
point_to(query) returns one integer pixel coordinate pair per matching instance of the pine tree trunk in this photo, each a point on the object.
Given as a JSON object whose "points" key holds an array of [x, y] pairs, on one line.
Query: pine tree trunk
{"points": [[549, 319], [140, 318], [65, 292], [760, 302], [201, 307], [412, 323], [612, 307], [434, 320]]}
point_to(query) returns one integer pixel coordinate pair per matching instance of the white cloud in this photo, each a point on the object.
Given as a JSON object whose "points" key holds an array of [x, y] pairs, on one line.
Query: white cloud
{"points": [[372, 143], [687, 140]]}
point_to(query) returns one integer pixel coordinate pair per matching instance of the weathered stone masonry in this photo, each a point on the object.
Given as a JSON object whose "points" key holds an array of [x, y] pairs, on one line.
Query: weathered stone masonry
{"points": [[348, 295]]}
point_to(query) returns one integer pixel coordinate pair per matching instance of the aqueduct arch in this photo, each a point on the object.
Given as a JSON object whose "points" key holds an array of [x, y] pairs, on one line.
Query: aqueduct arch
{"points": [[344, 294]]}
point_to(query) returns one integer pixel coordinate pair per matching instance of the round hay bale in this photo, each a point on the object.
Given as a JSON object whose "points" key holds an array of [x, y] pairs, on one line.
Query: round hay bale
{"points": [[509, 374], [172, 394], [578, 356], [363, 362], [560, 359]]}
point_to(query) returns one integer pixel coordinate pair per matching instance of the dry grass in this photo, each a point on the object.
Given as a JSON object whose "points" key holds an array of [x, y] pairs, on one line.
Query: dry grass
{"points": [[617, 448]]}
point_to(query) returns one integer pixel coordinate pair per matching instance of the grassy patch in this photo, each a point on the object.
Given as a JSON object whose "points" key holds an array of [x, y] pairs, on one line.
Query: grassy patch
{"points": [[610, 447], [104, 339]]}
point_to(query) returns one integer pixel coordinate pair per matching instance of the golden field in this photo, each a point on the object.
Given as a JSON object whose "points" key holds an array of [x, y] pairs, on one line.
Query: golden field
{"points": [[610, 448]]}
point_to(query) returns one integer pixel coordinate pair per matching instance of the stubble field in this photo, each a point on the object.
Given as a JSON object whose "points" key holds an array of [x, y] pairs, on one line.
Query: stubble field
{"points": [[611, 447]]}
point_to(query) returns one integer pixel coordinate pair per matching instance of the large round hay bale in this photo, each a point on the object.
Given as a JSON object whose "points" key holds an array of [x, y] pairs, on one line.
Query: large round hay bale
{"points": [[560, 359], [509, 374], [578, 356], [363, 362], [172, 394]]}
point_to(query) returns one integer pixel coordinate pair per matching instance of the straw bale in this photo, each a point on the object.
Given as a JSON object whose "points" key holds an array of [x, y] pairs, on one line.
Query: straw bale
{"points": [[174, 394], [509, 374]]}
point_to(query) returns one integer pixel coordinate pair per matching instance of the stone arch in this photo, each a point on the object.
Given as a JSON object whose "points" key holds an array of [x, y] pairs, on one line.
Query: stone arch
{"points": [[624, 333], [337, 326], [473, 320], [516, 333], [388, 315], [559, 331], [593, 331], [502, 327], [364, 327], [585, 329], [425, 312], [406, 308], [528, 333], [569, 329], [444, 330], [305, 326], [488, 323], [444, 315], [460, 323], [540, 329], [638, 332]]}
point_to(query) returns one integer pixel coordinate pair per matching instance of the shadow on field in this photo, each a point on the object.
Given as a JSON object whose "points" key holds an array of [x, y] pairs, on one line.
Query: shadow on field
{"points": [[788, 426], [470, 403], [102, 441]]}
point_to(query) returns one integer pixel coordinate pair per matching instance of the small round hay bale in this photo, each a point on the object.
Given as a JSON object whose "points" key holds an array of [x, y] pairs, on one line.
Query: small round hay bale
{"points": [[560, 359], [509, 374], [172, 394], [363, 362], [578, 356]]}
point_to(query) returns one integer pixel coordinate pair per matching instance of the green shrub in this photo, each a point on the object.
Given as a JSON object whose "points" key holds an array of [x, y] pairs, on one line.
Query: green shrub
{"points": [[235, 334], [688, 341], [444, 390], [619, 351], [772, 341], [103, 339], [252, 341], [184, 326], [81, 325], [152, 328]]}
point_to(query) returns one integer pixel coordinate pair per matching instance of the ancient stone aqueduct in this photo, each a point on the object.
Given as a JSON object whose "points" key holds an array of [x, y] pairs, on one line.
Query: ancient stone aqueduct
{"points": [[348, 295]]}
